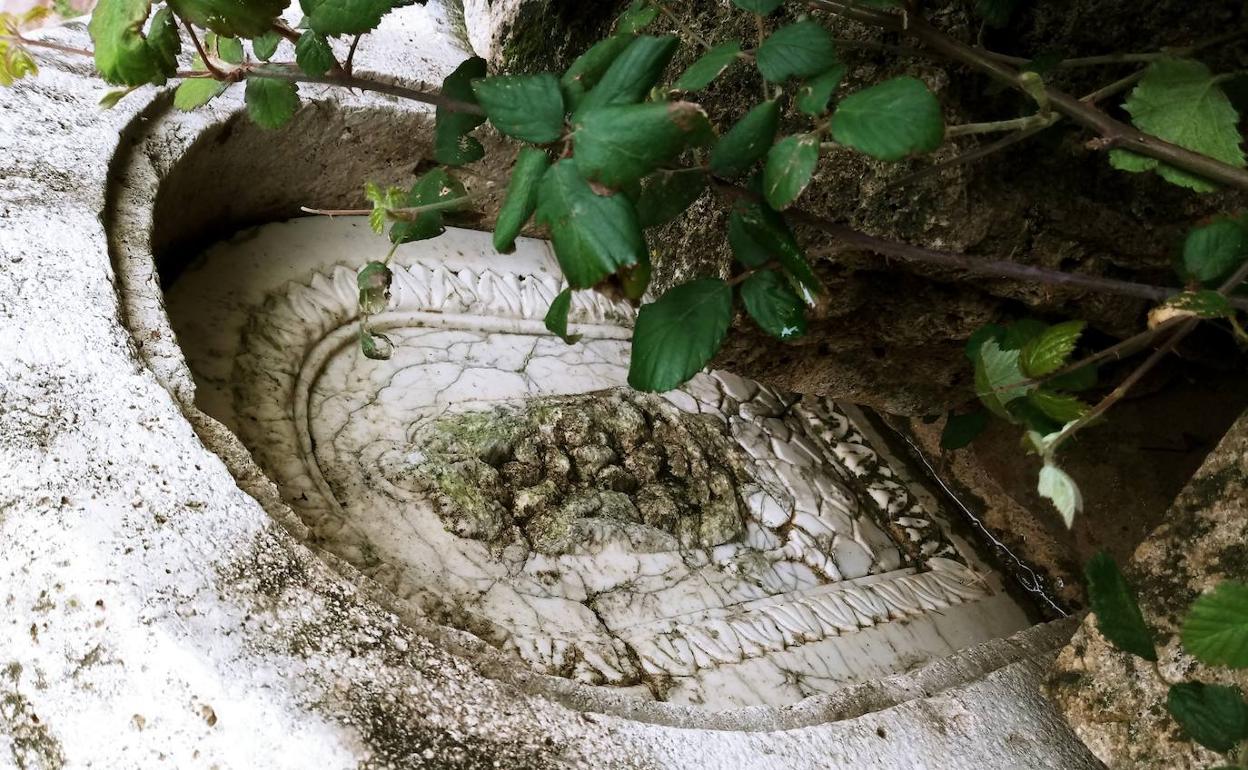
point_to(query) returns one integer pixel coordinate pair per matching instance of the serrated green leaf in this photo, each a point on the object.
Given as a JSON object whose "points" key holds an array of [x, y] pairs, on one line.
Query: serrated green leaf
{"points": [[373, 282], [1180, 101], [774, 306], [1059, 488], [812, 97], [1051, 350], [313, 54], [711, 64], [631, 74], [980, 336], [1118, 615], [760, 7], [15, 63], [435, 186], [231, 17], [589, 68], [1212, 252], [556, 319], [961, 429], [747, 141], [521, 200], [122, 54], [383, 202], [790, 164], [636, 17], [677, 335], [344, 17], [1060, 407], [110, 99], [1213, 715], [1202, 304], [616, 145], [271, 102], [758, 234], [164, 41], [1018, 334], [665, 196], [196, 92], [264, 46], [229, 50], [799, 50], [527, 107], [593, 235], [451, 143], [1216, 628], [998, 377], [891, 120], [1024, 412]]}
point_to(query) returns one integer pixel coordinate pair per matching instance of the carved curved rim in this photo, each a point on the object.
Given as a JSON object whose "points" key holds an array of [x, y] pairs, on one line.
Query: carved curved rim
{"points": [[139, 183]]}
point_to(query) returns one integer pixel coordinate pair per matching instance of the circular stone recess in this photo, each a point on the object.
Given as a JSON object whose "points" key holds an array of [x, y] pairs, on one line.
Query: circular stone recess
{"points": [[721, 545]]}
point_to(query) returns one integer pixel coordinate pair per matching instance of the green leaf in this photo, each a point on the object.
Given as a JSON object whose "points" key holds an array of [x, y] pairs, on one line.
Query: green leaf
{"points": [[122, 55], [635, 278], [1213, 715], [980, 336], [313, 54], [961, 429], [1180, 101], [383, 202], [790, 164], [110, 99], [1050, 351], [665, 196], [593, 235], [451, 143], [1118, 615], [527, 107], [998, 377], [1018, 333], [1023, 411], [271, 102], [614, 146], [631, 74], [231, 17], [712, 63], [758, 234], [760, 7], [1212, 252], [374, 281], [164, 41], [196, 92], [1075, 381], [229, 49], [799, 50], [375, 346], [747, 141], [1216, 628], [890, 121], [264, 46], [812, 97], [344, 17], [773, 305], [636, 17], [677, 335], [433, 187], [15, 63], [557, 317], [589, 68], [521, 200], [1060, 407], [1202, 304]]}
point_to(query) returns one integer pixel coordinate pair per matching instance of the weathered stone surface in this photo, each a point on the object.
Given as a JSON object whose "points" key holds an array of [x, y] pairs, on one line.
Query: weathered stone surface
{"points": [[1115, 701], [161, 607]]}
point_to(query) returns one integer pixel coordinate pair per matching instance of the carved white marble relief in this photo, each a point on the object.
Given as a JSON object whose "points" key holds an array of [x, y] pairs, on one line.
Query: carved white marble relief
{"points": [[722, 544]]}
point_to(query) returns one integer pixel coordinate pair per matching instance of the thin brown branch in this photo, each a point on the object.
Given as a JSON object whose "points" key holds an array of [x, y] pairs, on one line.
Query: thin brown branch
{"points": [[348, 66], [1114, 134], [25, 41], [203, 55], [338, 78], [999, 126], [972, 155]]}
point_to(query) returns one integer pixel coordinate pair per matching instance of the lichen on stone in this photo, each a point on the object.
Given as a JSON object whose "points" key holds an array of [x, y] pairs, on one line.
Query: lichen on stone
{"points": [[566, 473]]}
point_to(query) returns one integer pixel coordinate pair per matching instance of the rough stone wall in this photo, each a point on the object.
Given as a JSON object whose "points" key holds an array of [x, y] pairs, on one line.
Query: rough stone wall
{"points": [[1115, 701]]}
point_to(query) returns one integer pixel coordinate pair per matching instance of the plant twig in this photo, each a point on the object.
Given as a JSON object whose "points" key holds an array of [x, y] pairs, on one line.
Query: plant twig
{"points": [[1114, 134], [26, 41], [406, 214], [973, 155], [685, 27], [203, 55], [289, 72], [998, 126], [348, 66]]}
